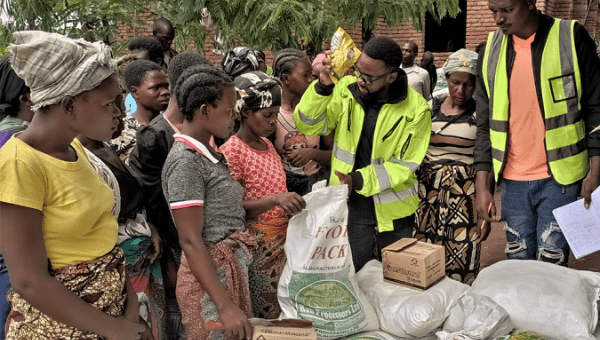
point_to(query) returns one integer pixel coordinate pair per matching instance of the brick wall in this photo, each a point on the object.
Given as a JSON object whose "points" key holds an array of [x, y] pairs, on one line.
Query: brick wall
{"points": [[586, 13], [127, 32], [479, 24]]}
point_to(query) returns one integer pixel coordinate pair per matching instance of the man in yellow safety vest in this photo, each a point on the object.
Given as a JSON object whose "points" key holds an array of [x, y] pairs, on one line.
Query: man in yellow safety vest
{"points": [[538, 100]]}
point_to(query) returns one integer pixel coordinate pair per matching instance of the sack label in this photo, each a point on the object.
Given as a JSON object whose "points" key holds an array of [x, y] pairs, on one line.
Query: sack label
{"points": [[329, 301]]}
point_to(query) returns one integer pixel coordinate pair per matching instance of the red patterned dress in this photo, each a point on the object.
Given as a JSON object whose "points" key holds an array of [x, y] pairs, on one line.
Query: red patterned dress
{"points": [[261, 175]]}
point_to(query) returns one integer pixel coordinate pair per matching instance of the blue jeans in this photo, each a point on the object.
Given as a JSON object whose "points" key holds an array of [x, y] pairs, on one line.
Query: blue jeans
{"points": [[531, 229], [366, 241]]}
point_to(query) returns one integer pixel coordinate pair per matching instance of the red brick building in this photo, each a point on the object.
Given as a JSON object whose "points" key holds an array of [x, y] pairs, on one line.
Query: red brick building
{"points": [[469, 29]]}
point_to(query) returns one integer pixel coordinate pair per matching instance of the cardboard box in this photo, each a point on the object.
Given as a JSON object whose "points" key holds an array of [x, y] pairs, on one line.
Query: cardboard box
{"points": [[286, 329], [413, 264]]}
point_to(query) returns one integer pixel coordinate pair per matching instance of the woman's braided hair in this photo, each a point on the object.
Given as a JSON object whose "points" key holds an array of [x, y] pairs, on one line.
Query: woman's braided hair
{"points": [[180, 63], [285, 61], [199, 85]]}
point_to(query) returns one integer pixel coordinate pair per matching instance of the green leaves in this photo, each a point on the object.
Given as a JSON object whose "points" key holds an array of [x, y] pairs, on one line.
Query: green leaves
{"points": [[90, 19], [395, 11], [258, 24], [278, 24]]}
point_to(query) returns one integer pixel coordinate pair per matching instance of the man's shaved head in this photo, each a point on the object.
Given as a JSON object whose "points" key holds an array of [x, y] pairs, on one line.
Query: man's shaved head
{"points": [[162, 24], [426, 59], [413, 45], [163, 31]]}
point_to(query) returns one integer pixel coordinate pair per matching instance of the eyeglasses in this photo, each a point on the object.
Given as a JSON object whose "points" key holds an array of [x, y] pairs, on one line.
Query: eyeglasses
{"points": [[369, 79]]}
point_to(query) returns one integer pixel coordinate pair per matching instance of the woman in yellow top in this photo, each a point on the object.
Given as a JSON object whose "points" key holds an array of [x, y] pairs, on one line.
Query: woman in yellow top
{"points": [[58, 233]]}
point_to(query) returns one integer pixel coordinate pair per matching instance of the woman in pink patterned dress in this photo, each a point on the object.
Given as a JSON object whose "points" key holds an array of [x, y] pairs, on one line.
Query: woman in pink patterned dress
{"points": [[254, 162]]}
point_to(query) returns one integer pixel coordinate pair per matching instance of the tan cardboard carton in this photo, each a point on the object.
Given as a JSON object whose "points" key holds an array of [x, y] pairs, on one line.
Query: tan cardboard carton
{"points": [[286, 329], [413, 264]]}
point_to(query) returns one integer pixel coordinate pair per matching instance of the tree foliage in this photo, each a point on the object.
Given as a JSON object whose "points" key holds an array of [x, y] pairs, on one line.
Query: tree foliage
{"points": [[275, 23], [90, 19], [302, 24], [394, 12]]}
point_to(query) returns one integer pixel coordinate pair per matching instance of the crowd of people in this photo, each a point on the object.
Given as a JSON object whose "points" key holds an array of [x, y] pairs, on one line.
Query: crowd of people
{"points": [[148, 196]]}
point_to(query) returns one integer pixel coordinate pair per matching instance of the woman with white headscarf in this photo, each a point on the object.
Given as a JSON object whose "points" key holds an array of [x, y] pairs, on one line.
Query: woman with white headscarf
{"points": [[446, 211], [58, 231]]}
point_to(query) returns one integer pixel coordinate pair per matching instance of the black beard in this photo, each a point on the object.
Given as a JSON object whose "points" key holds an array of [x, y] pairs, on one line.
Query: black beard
{"points": [[371, 96]]}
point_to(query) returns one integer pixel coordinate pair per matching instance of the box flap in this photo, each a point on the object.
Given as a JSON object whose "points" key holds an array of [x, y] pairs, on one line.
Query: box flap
{"points": [[400, 244]]}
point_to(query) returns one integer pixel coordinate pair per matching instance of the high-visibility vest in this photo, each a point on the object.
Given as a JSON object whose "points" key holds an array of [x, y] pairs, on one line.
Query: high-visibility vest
{"points": [[400, 141], [560, 83]]}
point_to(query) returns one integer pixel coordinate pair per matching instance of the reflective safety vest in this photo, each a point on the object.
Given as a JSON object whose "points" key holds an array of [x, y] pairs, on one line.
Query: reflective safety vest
{"points": [[560, 83], [400, 142]]}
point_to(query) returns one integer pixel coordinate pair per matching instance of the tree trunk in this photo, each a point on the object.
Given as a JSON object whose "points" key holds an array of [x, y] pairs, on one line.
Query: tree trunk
{"points": [[366, 33]]}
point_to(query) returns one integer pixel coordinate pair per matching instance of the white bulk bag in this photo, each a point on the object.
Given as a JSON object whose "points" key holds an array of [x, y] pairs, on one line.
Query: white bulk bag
{"points": [[478, 317], [318, 282], [406, 312], [557, 302], [379, 335]]}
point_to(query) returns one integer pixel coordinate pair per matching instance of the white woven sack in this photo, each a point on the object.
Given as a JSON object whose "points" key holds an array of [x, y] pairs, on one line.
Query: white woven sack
{"points": [[478, 317], [443, 335], [406, 312], [318, 282], [557, 302], [380, 335]]}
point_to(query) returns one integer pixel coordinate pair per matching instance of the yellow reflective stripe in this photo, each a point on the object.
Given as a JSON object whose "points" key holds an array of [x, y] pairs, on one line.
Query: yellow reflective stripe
{"points": [[312, 121], [382, 177], [342, 154], [391, 197]]}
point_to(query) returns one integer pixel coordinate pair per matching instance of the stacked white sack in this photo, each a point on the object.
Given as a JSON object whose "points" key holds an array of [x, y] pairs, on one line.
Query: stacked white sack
{"points": [[557, 302], [406, 312]]}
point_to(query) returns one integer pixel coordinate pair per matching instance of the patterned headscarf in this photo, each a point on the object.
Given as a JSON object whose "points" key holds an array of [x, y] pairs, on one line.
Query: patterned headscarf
{"points": [[54, 66], [240, 60], [11, 88], [257, 90], [461, 61]]}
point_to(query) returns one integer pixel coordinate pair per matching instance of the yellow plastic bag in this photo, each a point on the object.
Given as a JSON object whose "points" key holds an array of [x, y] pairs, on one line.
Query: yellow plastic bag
{"points": [[345, 54]]}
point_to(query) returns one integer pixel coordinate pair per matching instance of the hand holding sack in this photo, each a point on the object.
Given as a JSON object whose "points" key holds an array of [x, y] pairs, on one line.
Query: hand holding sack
{"points": [[318, 281]]}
